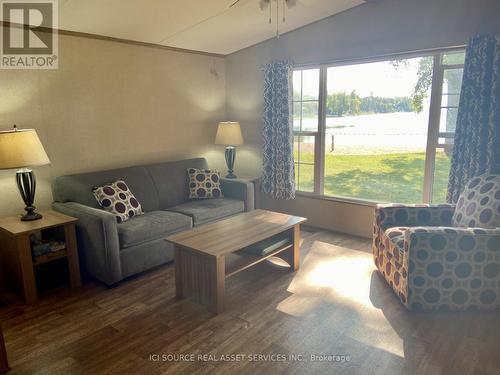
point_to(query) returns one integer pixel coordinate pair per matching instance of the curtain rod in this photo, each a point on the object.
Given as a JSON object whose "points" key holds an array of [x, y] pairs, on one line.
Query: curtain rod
{"points": [[381, 57]]}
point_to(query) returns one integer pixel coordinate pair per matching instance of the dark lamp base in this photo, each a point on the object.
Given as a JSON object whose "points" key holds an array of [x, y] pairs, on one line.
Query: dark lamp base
{"points": [[31, 215], [230, 155], [26, 183]]}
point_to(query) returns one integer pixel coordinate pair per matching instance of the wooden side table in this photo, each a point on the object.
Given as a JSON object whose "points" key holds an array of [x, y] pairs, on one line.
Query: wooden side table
{"points": [[16, 260]]}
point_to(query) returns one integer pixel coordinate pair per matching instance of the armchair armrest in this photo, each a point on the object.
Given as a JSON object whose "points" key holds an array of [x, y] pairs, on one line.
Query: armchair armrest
{"points": [[97, 235], [239, 189], [442, 239], [453, 267], [413, 215]]}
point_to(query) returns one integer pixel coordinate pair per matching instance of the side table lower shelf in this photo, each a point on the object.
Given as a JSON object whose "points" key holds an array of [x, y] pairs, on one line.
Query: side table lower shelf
{"points": [[42, 259]]}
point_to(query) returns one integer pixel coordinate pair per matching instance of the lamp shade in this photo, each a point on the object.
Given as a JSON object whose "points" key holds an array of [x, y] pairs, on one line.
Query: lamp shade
{"points": [[21, 148], [229, 134]]}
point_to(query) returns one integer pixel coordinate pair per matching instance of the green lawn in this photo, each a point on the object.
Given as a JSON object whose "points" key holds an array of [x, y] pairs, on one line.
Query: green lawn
{"points": [[382, 178]]}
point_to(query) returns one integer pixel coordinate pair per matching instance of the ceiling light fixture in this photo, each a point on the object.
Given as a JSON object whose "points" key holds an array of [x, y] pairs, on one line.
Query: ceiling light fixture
{"points": [[263, 4]]}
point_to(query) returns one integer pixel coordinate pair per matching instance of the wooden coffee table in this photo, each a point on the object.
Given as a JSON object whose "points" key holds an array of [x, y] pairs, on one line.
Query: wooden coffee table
{"points": [[205, 256]]}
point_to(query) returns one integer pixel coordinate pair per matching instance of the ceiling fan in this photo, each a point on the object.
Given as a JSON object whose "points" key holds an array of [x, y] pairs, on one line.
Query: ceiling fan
{"points": [[263, 4]]}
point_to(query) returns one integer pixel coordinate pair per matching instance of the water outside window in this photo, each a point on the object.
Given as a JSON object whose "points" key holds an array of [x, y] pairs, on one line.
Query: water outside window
{"points": [[376, 131], [376, 128]]}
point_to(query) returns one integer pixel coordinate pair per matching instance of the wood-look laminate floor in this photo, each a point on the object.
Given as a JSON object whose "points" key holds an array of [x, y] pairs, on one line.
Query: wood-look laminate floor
{"points": [[336, 304]]}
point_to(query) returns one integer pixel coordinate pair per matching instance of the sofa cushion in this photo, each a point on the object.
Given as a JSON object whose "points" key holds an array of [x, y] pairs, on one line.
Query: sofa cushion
{"points": [[119, 200], [479, 203], [204, 183], [151, 226], [203, 211]]}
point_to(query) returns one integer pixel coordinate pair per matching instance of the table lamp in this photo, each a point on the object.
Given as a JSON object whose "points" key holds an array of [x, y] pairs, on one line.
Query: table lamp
{"points": [[21, 148], [229, 135]]}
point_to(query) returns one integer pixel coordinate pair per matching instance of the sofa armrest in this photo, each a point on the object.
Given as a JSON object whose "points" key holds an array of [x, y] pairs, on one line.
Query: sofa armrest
{"points": [[239, 189], [394, 215], [97, 235]]}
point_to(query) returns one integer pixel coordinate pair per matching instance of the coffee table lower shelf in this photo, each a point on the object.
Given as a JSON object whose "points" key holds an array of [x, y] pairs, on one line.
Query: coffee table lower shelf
{"points": [[240, 261]]}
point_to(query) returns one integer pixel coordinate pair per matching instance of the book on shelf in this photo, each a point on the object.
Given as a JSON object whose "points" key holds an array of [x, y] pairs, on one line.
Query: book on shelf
{"points": [[40, 247]]}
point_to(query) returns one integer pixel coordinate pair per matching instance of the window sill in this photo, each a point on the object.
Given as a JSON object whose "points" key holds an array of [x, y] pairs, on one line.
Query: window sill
{"points": [[360, 202]]}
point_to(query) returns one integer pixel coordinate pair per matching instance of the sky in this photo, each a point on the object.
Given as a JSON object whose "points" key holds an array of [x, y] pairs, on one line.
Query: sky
{"points": [[380, 78]]}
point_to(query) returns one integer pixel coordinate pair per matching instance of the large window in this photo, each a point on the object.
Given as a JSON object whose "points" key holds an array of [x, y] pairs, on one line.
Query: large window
{"points": [[377, 131]]}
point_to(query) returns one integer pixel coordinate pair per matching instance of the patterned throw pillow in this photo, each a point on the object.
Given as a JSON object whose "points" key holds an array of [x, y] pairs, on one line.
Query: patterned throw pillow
{"points": [[204, 183], [119, 200], [479, 204]]}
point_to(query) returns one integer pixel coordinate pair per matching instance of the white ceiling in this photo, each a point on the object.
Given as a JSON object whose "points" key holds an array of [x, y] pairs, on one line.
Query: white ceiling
{"points": [[201, 25]]}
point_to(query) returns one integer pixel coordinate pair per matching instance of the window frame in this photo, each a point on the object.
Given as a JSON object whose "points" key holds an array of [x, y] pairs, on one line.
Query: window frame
{"points": [[316, 134], [433, 133]]}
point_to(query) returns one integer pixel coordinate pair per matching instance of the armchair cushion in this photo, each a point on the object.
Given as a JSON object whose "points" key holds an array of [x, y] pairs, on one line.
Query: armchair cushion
{"points": [[479, 203]]}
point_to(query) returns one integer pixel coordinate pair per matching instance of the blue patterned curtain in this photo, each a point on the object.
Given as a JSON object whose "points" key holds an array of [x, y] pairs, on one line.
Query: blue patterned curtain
{"points": [[278, 167], [477, 135]]}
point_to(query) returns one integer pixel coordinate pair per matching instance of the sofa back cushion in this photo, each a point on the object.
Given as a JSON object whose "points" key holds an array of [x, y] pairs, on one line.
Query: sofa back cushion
{"points": [[78, 188], [479, 203], [171, 180]]}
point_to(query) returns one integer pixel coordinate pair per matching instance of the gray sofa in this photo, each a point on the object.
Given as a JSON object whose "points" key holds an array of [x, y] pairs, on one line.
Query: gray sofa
{"points": [[111, 252]]}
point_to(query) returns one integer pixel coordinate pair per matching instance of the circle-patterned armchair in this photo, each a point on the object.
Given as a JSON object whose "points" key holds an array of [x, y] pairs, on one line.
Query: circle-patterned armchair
{"points": [[443, 256]]}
